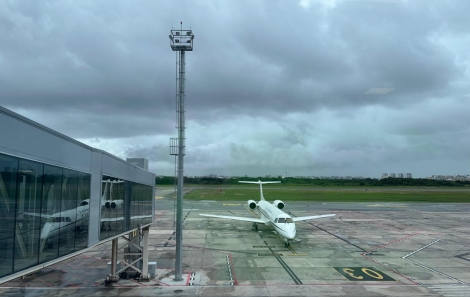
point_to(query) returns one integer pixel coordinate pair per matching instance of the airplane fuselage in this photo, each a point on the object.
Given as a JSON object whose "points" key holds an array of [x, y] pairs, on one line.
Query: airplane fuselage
{"points": [[64, 221], [275, 218]]}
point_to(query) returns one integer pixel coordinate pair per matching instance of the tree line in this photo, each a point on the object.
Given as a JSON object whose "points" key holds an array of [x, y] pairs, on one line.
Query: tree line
{"points": [[369, 182]]}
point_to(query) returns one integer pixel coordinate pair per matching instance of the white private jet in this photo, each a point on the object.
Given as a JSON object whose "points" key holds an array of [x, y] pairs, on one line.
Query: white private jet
{"points": [[272, 215]]}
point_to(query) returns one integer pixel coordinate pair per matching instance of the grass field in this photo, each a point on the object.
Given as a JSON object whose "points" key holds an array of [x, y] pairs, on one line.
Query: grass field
{"points": [[334, 194]]}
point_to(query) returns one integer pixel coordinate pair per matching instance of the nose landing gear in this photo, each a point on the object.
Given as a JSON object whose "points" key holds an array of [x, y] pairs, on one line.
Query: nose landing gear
{"points": [[286, 243], [254, 227]]}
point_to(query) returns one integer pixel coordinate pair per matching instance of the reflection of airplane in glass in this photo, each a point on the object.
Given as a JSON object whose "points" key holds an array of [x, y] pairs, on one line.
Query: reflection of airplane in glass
{"points": [[72, 219], [76, 219], [112, 204], [65, 221]]}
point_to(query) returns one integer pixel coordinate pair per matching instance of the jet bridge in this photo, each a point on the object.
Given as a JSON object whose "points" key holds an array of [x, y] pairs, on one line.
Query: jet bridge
{"points": [[60, 197]]}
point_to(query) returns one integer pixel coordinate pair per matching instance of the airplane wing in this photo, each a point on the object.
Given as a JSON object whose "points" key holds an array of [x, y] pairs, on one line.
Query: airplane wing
{"points": [[34, 214], [296, 219], [235, 218]]}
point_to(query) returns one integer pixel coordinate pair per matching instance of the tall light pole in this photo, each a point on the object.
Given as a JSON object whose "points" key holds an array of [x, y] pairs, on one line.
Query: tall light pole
{"points": [[181, 41]]}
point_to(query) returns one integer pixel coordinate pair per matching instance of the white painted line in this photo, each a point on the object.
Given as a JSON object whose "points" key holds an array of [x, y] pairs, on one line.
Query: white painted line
{"points": [[404, 257], [423, 266], [450, 287]]}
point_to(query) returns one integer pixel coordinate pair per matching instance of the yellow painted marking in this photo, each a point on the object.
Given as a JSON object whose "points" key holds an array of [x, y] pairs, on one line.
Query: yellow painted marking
{"points": [[363, 274], [230, 204], [350, 272], [158, 197]]}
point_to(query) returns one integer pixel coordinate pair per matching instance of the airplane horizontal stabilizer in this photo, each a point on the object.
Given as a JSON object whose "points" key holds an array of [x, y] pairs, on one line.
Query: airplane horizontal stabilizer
{"points": [[260, 182], [296, 219], [254, 220]]}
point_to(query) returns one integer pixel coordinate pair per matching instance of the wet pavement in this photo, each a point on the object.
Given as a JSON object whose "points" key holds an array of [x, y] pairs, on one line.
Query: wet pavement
{"points": [[367, 249]]}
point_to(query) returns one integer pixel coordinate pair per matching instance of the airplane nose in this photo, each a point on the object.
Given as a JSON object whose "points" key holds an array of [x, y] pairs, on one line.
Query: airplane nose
{"points": [[290, 234]]}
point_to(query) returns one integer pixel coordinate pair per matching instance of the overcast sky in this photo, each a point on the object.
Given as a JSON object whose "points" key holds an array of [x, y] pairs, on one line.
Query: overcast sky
{"points": [[320, 87]]}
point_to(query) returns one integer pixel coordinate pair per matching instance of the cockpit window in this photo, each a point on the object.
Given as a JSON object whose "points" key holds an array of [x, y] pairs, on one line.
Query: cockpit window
{"points": [[55, 219], [284, 220]]}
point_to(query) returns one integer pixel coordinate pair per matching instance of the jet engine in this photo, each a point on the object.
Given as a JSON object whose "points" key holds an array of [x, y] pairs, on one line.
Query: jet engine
{"points": [[279, 204], [251, 204], [117, 204], [114, 204]]}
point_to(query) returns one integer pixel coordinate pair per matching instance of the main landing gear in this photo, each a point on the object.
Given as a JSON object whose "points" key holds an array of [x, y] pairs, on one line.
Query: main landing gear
{"points": [[254, 227]]}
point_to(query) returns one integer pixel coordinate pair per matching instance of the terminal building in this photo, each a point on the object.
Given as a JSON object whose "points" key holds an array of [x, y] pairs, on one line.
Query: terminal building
{"points": [[60, 197]]}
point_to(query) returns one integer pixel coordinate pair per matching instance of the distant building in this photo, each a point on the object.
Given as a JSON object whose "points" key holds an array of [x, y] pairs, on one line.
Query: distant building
{"points": [[401, 175], [408, 175], [384, 175], [139, 162], [393, 175]]}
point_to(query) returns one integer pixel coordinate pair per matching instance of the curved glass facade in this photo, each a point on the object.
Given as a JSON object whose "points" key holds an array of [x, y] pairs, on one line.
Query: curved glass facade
{"points": [[44, 212]]}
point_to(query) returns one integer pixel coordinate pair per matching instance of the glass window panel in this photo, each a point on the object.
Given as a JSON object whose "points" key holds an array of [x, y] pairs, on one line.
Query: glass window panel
{"points": [[104, 207], [8, 186], [112, 214], [50, 213], [28, 214], [68, 212], [83, 212], [148, 204], [139, 204], [134, 209]]}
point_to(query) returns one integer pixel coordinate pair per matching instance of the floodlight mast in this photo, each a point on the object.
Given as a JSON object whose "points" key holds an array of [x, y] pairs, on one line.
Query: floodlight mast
{"points": [[181, 41]]}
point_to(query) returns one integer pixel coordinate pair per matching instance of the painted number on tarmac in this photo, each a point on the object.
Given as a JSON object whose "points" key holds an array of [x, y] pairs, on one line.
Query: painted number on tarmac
{"points": [[363, 274]]}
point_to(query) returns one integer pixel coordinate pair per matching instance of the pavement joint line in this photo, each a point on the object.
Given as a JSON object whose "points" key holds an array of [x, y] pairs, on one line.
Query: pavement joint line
{"points": [[429, 268], [284, 265]]}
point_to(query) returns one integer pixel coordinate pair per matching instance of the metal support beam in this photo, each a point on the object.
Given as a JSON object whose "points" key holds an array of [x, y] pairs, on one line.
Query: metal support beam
{"points": [[181, 41], [130, 259], [179, 193], [113, 276], [145, 255]]}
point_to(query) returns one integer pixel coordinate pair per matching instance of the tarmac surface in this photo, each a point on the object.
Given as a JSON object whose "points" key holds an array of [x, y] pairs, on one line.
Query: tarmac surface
{"points": [[367, 249]]}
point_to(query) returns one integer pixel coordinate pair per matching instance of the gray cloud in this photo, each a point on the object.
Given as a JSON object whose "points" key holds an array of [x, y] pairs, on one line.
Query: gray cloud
{"points": [[271, 85]]}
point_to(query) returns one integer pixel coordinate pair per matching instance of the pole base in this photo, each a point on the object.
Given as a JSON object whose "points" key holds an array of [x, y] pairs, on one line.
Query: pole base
{"points": [[144, 279], [112, 279]]}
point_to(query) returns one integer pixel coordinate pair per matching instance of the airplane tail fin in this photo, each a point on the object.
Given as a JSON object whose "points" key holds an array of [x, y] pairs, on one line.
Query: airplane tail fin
{"points": [[260, 183]]}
